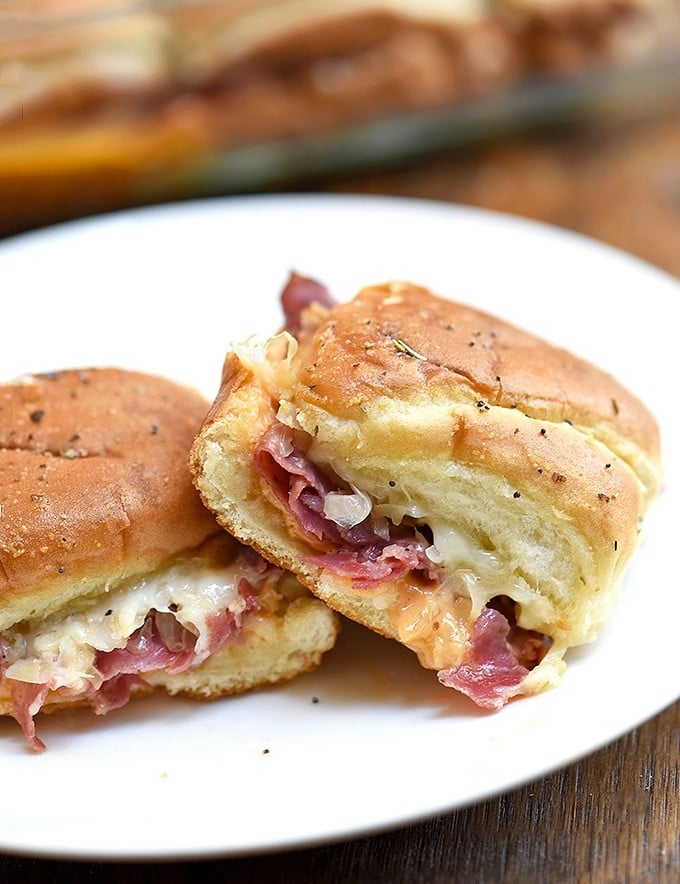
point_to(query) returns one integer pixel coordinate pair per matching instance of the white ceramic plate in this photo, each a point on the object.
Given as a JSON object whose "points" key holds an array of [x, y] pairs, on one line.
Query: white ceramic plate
{"points": [[166, 290]]}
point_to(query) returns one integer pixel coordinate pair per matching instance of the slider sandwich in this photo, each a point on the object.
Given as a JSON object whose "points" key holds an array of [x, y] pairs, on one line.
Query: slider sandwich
{"points": [[436, 474], [114, 579]]}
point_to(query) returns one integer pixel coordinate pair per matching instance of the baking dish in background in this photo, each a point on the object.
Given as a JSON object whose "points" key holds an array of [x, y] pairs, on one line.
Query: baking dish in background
{"points": [[106, 104]]}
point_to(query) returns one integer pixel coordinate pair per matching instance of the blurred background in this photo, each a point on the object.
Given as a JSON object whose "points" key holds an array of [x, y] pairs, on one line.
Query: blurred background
{"points": [[566, 111]]}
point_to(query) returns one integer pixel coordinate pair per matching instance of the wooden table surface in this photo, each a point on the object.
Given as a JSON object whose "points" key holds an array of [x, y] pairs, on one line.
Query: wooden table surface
{"points": [[613, 816]]}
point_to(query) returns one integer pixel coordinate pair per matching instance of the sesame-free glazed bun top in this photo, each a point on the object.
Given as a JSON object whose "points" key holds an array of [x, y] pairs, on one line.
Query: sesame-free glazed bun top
{"points": [[114, 578], [438, 475], [93, 483]]}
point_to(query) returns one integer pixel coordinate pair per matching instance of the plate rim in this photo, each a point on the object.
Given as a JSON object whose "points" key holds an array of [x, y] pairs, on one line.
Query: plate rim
{"points": [[33, 239]]}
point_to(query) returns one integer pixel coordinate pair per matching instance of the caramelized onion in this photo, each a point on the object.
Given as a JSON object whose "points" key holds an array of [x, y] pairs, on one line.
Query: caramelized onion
{"points": [[347, 510]]}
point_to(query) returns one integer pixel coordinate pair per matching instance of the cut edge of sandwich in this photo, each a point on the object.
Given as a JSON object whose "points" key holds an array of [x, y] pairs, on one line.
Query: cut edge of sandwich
{"points": [[547, 584], [214, 621]]}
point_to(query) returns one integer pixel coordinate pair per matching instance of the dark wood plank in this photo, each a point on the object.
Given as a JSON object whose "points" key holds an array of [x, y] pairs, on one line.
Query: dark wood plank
{"points": [[617, 181]]}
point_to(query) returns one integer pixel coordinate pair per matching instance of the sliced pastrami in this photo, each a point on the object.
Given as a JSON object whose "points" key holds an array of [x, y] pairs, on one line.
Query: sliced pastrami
{"points": [[369, 566], [160, 643], [115, 693], [145, 651], [367, 553], [27, 699], [501, 655], [298, 483], [301, 292]]}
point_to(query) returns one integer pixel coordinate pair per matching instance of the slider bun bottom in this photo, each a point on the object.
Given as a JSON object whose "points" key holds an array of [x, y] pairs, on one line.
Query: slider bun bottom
{"points": [[273, 647]]}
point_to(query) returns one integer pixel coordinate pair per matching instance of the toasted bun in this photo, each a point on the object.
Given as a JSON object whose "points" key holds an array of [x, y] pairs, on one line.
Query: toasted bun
{"points": [[93, 484], [531, 467], [101, 529]]}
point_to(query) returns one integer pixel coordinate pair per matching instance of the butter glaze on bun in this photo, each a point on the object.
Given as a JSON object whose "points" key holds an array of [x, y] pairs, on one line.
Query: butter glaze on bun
{"points": [[107, 554], [92, 472], [438, 475]]}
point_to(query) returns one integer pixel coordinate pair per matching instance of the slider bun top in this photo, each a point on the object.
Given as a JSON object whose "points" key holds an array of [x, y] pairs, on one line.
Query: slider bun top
{"points": [[398, 346], [533, 455], [94, 485]]}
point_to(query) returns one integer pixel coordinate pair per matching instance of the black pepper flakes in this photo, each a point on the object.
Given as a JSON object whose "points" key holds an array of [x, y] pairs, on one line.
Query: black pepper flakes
{"points": [[516, 495], [61, 569], [558, 477], [265, 751], [543, 431], [154, 429], [315, 699], [37, 415], [392, 483], [602, 496], [616, 545]]}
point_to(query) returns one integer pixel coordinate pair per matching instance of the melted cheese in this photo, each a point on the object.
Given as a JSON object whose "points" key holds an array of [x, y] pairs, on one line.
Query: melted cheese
{"points": [[60, 651], [269, 360], [436, 622]]}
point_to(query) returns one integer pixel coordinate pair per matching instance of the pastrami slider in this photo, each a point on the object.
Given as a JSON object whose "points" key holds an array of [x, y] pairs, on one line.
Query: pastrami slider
{"points": [[438, 475], [114, 578]]}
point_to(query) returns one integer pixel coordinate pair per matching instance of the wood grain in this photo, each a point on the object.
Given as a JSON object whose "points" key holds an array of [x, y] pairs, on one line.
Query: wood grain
{"points": [[615, 180]]}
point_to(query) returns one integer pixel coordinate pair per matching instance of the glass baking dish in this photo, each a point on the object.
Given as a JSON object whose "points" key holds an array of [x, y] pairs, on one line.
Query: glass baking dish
{"points": [[105, 104]]}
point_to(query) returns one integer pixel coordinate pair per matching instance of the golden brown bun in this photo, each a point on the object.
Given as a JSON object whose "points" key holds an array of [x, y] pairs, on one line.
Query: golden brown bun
{"points": [[541, 464], [98, 517], [93, 483], [276, 645]]}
